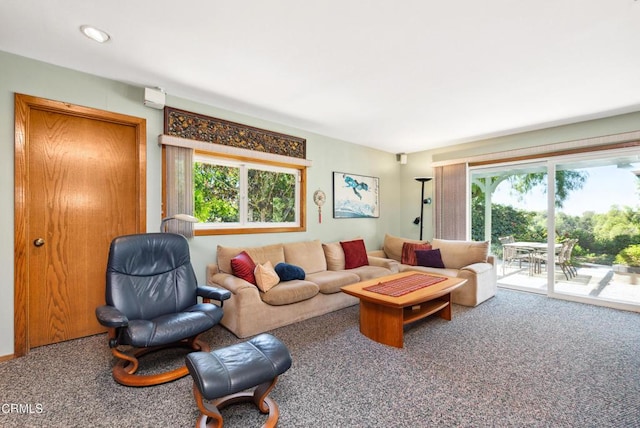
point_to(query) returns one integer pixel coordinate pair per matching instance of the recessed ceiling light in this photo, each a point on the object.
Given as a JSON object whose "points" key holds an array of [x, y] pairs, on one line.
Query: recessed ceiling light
{"points": [[95, 34]]}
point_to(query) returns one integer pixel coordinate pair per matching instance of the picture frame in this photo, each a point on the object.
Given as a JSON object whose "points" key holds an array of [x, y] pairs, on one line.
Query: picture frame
{"points": [[355, 196]]}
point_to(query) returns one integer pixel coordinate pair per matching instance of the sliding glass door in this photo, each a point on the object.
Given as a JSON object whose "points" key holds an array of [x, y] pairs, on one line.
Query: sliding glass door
{"points": [[600, 219], [567, 226], [509, 208]]}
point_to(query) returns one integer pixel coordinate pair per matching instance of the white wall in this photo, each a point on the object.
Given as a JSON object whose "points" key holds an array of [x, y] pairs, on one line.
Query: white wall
{"points": [[22, 75]]}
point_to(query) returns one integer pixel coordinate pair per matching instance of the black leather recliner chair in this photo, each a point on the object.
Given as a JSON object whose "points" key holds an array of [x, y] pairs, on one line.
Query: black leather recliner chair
{"points": [[151, 296]]}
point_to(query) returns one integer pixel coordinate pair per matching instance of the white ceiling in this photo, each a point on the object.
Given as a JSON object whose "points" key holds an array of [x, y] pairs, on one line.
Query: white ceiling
{"points": [[396, 75]]}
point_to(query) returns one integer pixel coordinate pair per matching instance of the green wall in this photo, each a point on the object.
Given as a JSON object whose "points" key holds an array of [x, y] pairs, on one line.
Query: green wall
{"points": [[419, 163], [399, 192], [26, 76]]}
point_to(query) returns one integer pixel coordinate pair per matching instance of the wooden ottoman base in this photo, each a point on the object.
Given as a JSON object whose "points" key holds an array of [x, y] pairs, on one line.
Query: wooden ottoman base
{"points": [[210, 410]]}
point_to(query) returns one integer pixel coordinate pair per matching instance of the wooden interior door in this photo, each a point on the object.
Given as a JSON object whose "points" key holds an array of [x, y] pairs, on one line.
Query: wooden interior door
{"points": [[82, 173]]}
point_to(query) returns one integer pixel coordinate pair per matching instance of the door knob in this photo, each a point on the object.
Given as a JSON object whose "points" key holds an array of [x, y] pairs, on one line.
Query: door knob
{"points": [[38, 242]]}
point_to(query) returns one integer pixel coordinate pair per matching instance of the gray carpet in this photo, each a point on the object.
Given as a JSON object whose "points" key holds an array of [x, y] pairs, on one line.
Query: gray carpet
{"points": [[517, 360]]}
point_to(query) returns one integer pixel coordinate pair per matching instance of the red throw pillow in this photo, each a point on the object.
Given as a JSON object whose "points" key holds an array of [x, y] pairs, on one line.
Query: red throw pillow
{"points": [[355, 254], [409, 252], [243, 267]]}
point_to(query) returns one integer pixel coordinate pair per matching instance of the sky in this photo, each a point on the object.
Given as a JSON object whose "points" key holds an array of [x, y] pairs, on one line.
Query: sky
{"points": [[605, 186]]}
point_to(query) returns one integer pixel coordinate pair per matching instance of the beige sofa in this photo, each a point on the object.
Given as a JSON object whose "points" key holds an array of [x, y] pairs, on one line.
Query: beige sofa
{"points": [[462, 259], [249, 311]]}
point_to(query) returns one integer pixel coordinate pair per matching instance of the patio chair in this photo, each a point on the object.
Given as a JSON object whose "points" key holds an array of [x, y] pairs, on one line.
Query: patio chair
{"points": [[569, 263], [560, 259], [512, 254]]}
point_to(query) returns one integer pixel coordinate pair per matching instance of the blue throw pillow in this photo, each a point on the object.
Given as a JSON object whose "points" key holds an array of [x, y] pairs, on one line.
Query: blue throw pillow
{"points": [[287, 272]]}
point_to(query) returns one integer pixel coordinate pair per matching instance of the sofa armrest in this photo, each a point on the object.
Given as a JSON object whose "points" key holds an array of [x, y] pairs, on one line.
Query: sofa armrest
{"points": [[230, 282], [478, 268], [212, 269], [377, 253], [390, 264]]}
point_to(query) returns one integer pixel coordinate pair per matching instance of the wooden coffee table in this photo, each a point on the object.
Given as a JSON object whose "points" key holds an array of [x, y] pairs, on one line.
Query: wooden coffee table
{"points": [[383, 317]]}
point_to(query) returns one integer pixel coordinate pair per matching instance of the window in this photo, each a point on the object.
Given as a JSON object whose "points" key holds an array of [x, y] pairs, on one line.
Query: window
{"points": [[240, 196]]}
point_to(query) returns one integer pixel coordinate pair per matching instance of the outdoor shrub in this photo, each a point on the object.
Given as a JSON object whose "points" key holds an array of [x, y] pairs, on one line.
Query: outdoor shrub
{"points": [[601, 236], [579, 251], [630, 256], [506, 220]]}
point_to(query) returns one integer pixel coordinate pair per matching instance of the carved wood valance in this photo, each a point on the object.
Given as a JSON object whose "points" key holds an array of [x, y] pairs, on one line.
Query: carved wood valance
{"points": [[193, 126]]}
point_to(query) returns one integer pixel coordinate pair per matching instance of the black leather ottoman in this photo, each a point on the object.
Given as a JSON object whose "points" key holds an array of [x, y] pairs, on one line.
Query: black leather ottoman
{"points": [[220, 376]]}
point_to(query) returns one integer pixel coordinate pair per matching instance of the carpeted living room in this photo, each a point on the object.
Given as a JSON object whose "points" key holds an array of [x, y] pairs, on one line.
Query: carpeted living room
{"points": [[302, 155], [516, 360]]}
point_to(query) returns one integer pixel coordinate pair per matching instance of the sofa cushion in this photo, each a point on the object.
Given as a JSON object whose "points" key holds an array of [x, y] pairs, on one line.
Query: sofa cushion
{"points": [[392, 246], [288, 292], [429, 258], [370, 272], [289, 272], [266, 276], [273, 253], [355, 253], [458, 254], [409, 252], [243, 266], [334, 254], [454, 273], [330, 281], [308, 255]]}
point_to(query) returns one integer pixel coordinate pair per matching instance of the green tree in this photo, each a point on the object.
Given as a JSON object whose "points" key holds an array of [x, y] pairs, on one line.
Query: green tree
{"points": [[566, 182], [216, 193], [615, 230], [506, 221], [584, 233], [271, 196], [483, 188], [618, 221]]}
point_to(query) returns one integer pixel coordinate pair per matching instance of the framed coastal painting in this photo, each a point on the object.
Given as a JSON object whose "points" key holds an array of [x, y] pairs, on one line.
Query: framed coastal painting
{"points": [[355, 196]]}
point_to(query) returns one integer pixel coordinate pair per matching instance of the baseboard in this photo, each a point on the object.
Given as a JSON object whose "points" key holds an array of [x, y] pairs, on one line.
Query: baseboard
{"points": [[7, 357]]}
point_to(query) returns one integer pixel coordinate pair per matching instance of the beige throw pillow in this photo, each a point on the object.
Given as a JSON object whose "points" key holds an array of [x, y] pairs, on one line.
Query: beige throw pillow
{"points": [[266, 276], [334, 254]]}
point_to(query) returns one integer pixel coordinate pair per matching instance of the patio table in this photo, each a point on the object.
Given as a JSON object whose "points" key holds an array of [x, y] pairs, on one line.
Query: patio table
{"points": [[534, 249]]}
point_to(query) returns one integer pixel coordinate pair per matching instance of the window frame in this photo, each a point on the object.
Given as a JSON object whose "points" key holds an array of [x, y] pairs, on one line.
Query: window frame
{"points": [[245, 163]]}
